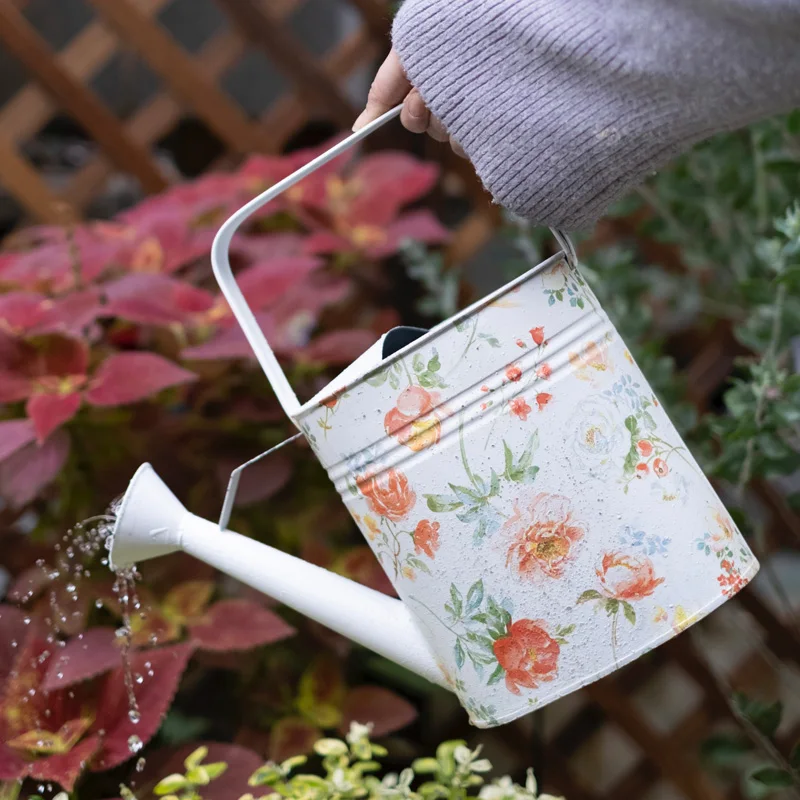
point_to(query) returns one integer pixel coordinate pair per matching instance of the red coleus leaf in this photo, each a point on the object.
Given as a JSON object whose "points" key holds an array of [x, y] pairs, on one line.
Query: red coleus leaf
{"points": [[238, 625], [13, 631], [51, 411], [187, 601], [386, 711], [274, 245], [260, 481], [150, 299], [231, 343], [14, 434], [129, 377], [384, 183], [71, 313], [83, 657], [292, 736], [65, 768], [153, 697], [339, 347], [231, 785], [264, 282], [21, 311], [361, 565], [24, 474]]}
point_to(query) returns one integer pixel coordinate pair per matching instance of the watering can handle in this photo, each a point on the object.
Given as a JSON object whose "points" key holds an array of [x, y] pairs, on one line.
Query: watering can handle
{"points": [[233, 294]]}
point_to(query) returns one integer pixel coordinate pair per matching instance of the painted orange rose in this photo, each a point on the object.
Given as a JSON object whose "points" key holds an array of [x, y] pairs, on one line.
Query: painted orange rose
{"points": [[544, 371], [542, 399], [627, 577], [415, 420], [426, 538], [519, 408], [645, 447], [514, 373], [333, 400], [528, 654], [543, 536], [388, 494], [660, 468], [537, 334], [642, 469]]}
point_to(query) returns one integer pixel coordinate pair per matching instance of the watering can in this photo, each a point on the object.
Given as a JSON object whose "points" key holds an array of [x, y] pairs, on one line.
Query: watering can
{"points": [[538, 514]]}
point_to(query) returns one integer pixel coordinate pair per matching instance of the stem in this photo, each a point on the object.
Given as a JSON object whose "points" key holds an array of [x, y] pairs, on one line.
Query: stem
{"points": [[464, 455], [614, 620], [408, 374], [769, 355], [466, 349], [9, 790]]}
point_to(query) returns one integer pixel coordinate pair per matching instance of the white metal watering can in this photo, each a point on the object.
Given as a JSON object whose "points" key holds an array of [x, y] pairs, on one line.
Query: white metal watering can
{"points": [[535, 509]]}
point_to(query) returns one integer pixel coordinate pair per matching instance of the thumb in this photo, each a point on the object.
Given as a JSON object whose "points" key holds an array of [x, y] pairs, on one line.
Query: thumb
{"points": [[389, 89]]}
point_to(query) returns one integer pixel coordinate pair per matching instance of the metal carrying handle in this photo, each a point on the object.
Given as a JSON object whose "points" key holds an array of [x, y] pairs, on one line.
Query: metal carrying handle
{"points": [[230, 289]]}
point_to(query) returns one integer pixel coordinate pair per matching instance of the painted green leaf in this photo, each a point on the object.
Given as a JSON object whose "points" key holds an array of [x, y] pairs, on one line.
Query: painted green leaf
{"points": [[441, 503], [589, 594], [630, 614], [474, 596], [456, 599], [565, 630], [394, 381], [632, 425], [434, 365], [612, 606], [495, 676], [482, 618], [379, 378], [397, 366], [530, 475], [466, 495], [418, 363], [459, 653], [494, 486]]}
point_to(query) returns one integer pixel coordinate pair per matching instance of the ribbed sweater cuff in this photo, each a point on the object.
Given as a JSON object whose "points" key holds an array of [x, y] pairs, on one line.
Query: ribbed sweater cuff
{"points": [[563, 105]]}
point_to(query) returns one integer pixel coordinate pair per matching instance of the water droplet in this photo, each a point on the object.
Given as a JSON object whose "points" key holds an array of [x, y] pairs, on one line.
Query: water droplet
{"points": [[153, 639], [26, 621], [71, 588], [134, 744], [140, 764], [14, 643], [98, 603], [134, 716], [139, 679]]}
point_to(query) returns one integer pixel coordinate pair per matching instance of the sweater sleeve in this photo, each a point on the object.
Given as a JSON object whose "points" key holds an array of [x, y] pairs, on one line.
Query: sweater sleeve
{"points": [[563, 106]]}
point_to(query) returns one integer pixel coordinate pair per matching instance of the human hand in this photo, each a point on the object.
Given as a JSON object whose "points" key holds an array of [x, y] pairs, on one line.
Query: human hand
{"points": [[390, 88]]}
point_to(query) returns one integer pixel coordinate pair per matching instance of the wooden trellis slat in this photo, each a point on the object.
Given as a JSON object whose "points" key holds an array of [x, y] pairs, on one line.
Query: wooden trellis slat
{"points": [[30, 108], [24, 42], [178, 70], [257, 24], [20, 178]]}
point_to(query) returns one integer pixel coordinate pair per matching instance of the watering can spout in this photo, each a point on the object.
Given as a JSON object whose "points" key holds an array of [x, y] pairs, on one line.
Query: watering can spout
{"points": [[152, 522]]}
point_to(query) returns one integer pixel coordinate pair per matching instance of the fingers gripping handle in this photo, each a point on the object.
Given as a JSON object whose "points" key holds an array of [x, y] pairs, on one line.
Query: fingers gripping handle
{"points": [[221, 265]]}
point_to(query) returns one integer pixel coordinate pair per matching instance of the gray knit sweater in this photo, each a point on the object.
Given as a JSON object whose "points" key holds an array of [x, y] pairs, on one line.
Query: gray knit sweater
{"points": [[565, 105]]}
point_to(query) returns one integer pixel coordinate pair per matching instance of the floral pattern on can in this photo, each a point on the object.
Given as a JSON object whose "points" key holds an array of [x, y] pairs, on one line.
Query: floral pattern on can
{"points": [[528, 496]]}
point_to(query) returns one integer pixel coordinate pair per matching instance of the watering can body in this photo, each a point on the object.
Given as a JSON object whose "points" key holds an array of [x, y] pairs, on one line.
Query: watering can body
{"points": [[538, 514], [527, 495]]}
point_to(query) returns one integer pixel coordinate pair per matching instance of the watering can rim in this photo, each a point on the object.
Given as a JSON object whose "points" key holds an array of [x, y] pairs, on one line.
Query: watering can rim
{"points": [[429, 336], [223, 273]]}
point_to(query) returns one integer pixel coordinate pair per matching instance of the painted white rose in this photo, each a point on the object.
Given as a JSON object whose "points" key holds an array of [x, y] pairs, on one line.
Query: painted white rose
{"points": [[599, 441], [672, 489]]}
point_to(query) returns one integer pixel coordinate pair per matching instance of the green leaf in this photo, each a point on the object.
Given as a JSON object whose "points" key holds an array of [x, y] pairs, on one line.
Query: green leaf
{"points": [[434, 365], [611, 606], [170, 784], [459, 653], [496, 675], [772, 777], [565, 631], [630, 614], [509, 459], [590, 594], [442, 503], [494, 487], [394, 381], [418, 363], [474, 596], [195, 758], [456, 599], [765, 716], [794, 758], [725, 749]]}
